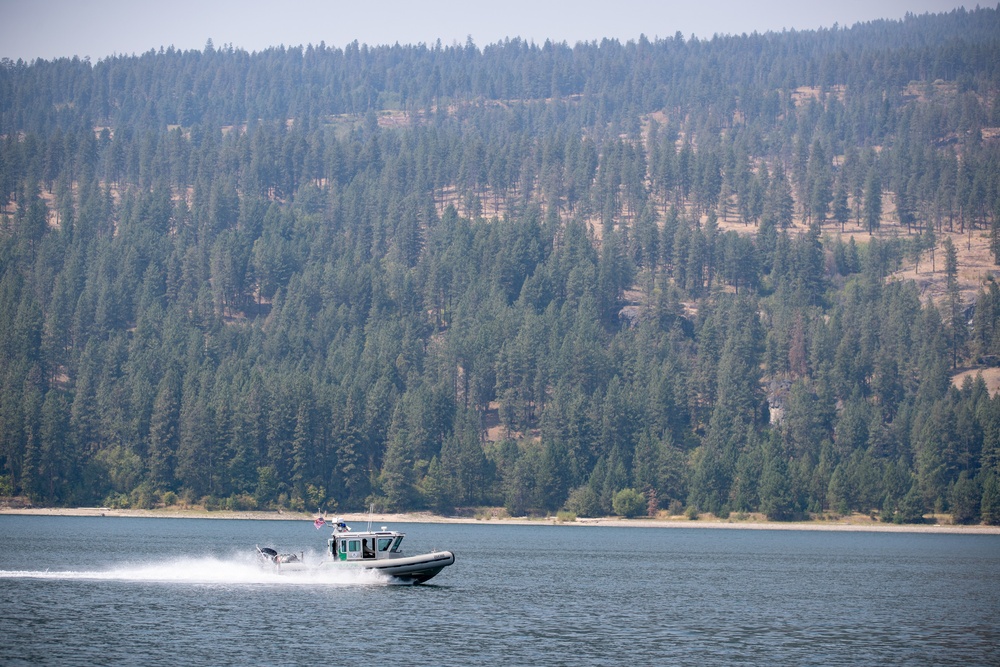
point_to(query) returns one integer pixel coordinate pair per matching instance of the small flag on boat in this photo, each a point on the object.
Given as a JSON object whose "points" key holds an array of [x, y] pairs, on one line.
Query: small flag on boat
{"points": [[319, 522]]}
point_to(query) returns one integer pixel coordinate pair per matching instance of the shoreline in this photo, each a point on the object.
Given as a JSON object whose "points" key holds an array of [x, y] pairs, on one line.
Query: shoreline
{"points": [[853, 524]]}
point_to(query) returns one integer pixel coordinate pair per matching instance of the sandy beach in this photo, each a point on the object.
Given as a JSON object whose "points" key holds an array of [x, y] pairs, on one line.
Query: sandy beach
{"points": [[845, 524]]}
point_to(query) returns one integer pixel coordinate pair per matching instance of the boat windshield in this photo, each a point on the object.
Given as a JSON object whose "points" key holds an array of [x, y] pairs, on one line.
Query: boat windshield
{"points": [[383, 543]]}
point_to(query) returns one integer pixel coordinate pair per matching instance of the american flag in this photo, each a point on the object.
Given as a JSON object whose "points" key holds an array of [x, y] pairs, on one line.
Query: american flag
{"points": [[319, 523]]}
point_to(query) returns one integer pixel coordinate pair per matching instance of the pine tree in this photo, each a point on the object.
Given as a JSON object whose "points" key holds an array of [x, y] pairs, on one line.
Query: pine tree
{"points": [[873, 201], [958, 328], [990, 502]]}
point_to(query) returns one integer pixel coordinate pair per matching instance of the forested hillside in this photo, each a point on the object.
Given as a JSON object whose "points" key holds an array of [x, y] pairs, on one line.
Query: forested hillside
{"points": [[660, 275]]}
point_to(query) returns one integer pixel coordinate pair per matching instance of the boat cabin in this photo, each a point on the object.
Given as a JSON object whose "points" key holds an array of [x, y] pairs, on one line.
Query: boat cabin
{"points": [[365, 546]]}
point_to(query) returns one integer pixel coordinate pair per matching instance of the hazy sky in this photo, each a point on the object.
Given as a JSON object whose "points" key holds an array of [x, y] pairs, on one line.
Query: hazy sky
{"points": [[50, 29]]}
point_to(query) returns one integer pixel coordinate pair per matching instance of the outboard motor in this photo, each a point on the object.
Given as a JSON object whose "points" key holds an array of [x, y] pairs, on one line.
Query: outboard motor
{"points": [[267, 555]]}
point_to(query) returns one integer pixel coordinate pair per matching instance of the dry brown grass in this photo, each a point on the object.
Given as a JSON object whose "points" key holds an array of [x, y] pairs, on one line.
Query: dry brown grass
{"points": [[803, 94], [991, 376], [923, 91]]}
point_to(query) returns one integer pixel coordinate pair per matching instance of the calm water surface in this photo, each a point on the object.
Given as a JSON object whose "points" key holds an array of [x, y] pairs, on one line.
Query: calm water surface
{"points": [[122, 591]]}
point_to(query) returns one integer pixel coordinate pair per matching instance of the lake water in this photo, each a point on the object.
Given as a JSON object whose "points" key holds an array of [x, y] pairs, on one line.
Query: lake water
{"points": [[123, 591]]}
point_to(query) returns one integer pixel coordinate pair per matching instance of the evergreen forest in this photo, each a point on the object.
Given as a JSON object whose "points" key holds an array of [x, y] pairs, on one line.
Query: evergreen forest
{"points": [[660, 276]]}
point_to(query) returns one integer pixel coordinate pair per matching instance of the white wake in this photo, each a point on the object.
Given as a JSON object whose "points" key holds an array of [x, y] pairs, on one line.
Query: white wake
{"points": [[208, 570]]}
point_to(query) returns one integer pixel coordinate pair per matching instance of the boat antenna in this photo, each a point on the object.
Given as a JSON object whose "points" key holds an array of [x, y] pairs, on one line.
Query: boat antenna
{"points": [[371, 510]]}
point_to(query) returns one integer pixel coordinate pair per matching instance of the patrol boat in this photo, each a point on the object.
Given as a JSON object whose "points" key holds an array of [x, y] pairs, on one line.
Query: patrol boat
{"points": [[370, 549]]}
